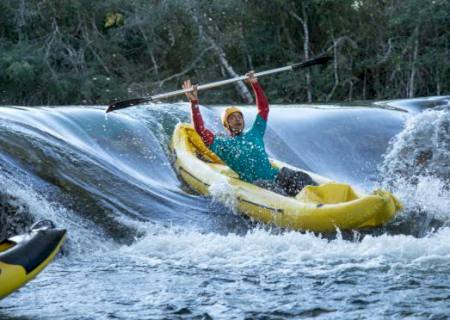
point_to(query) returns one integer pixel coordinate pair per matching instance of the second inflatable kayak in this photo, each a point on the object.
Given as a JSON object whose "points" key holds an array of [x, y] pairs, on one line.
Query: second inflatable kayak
{"points": [[22, 257], [321, 208]]}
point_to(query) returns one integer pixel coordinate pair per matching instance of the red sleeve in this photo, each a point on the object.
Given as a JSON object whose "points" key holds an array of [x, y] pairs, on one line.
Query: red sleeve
{"points": [[261, 101], [206, 135]]}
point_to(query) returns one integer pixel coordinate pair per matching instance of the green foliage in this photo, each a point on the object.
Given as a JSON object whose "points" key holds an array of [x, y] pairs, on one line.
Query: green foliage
{"points": [[20, 72], [91, 52]]}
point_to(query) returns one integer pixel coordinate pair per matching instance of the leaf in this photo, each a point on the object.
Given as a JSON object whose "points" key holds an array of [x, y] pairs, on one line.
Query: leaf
{"points": [[113, 20]]}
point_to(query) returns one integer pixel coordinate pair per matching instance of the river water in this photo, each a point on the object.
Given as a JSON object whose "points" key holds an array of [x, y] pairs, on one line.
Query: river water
{"points": [[141, 246]]}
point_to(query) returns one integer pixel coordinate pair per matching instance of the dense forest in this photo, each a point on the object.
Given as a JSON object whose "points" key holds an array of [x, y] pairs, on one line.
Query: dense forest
{"points": [[93, 52]]}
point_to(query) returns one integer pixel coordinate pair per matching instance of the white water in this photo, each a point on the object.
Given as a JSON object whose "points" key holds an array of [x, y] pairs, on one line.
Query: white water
{"points": [[215, 264], [291, 250], [421, 184]]}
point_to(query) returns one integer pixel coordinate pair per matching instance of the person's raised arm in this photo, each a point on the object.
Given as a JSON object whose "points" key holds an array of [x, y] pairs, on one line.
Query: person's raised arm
{"points": [[206, 135], [261, 100]]}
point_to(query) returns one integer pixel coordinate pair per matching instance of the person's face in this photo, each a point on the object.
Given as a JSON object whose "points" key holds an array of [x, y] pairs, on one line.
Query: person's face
{"points": [[235, 123]]}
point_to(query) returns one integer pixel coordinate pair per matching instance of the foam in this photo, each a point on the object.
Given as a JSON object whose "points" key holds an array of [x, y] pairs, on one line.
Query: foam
{"points": [[260, 247], [417, 167]]}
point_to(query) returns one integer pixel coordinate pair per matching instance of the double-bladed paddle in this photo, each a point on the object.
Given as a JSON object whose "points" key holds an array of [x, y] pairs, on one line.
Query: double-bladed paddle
{"points": [[132, 102]]}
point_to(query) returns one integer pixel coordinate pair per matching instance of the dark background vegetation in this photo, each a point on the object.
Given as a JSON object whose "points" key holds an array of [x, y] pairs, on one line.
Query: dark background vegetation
{"points": [[92, 52]]}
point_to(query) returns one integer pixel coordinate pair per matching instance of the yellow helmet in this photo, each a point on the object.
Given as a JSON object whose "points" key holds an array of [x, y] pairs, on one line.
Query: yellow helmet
{"points": [[226, 113]]}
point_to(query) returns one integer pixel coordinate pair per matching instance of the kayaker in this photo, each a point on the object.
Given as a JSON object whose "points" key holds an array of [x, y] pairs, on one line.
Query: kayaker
{"points": [[244, 151]]}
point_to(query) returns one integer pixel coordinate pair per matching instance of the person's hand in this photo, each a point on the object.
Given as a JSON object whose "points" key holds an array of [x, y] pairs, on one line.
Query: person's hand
{"points": [[251, 78], [192, 93]]}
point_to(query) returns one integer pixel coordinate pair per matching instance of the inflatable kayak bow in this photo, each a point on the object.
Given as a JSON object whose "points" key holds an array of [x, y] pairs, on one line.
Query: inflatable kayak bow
{"points": [[22, 257]]}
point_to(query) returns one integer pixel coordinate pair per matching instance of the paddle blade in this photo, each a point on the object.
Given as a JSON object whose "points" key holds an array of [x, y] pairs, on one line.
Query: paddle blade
{"points": [[126, 103], [320, 60]]}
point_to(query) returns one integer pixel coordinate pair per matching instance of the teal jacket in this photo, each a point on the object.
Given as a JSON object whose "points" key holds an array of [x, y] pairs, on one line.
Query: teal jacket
{"points": [[244, 153]]}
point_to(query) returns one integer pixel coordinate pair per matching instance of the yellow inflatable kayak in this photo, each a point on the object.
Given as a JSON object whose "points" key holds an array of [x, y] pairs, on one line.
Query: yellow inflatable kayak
{"points": [[321, 208], [23, 257]]}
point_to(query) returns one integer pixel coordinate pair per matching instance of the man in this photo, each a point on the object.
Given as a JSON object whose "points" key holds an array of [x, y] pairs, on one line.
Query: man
{"points": [[244, 151]]}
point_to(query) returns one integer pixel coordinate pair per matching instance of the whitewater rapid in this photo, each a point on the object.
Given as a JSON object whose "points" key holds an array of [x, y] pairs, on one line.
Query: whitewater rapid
{"points": [[141, 246]]}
